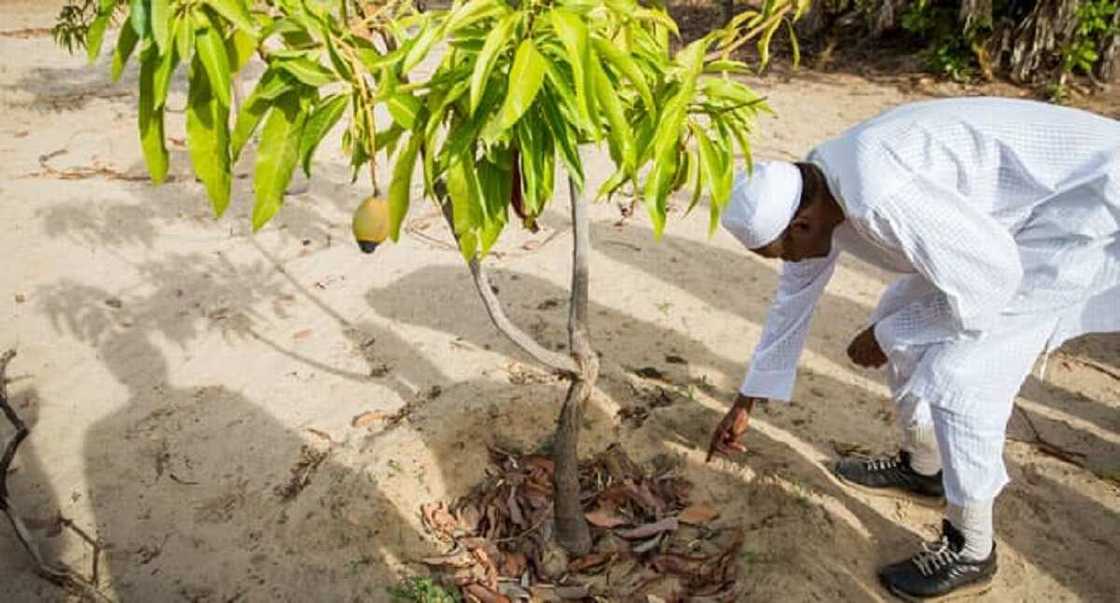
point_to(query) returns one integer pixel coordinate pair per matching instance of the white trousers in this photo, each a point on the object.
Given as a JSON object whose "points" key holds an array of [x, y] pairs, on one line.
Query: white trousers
{"points": [[958, 396]]}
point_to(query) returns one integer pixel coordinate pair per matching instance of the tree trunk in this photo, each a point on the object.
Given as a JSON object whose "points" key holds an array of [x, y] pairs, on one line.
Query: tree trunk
{"points": [[886, 16], [1036, 43], [572, 532], [1108, 68], [975, 13]]}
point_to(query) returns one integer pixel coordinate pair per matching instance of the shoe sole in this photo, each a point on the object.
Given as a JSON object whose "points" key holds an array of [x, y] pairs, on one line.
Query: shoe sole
{"points": [[895, 493], [970, 590]]}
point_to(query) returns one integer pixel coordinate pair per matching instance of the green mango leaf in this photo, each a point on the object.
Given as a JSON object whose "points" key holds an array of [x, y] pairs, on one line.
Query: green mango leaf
{"points": [[717, 172], [565, 138], [96, 35], [212, 52], [208, 137], [734, 92], [739, 130], [161, 24], [620, 133], [656, 191], [626, 66], [138, 17], [794, 46], [764, 45], [151, 119], [558, 84], [184, 37], [694, 179], [374, 61], [322, 120], [404, 108], [271, 86], [722, 66], [307, 71], [126, 43], [341, 66], [666, 140], [538, 156], [525, 79], [466, 203], [671, 120], [496, 42], [468, 245], [236, 12], [462, 134], [240, 47], [610, 185], [439, 109], [472, 12], [400, 187], [658, 16], [495, 183], [166, 68], [277, 155], [573, 34], [388, 138], [419, 50]]}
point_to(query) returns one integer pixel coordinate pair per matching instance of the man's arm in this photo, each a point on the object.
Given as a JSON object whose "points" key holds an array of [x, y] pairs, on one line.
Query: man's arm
{"points": [[773, 367]]}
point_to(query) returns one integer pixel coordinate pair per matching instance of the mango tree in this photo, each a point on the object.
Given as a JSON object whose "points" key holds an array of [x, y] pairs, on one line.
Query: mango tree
{"points": [[519, 90]]}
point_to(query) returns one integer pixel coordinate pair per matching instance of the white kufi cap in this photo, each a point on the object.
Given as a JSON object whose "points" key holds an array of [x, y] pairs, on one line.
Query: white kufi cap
{"points": [[763, 203]]}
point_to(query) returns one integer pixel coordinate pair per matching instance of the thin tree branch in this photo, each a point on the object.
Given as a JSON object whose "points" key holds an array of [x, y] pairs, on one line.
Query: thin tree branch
{"points": [[1046, 446], [497, 313], [761, 27], [577, 312], [59, 575], [17, 423]]}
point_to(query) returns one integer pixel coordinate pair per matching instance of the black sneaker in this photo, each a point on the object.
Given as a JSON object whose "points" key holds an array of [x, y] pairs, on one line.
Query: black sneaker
{"points": [[938, 572], [891, 477]]}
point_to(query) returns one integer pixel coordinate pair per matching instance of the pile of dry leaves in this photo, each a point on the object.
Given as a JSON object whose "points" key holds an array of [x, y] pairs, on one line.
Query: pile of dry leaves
{"points": [[651, 544]]}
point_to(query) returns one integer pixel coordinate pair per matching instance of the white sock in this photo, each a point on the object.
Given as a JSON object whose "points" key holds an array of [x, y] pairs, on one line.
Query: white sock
{"points": [[921, 442], [975, 522]]}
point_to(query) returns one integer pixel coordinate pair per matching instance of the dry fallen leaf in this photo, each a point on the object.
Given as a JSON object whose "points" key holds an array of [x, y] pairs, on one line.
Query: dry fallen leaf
{"points": [[605, 519], [485, 595], [368, 417], [589, 561], [648, 545], [665, 525], [513, 565], [469, 517], [439, 520], [698, 514], [321, 434], [572, 593], [460, 559], [304, 334]]}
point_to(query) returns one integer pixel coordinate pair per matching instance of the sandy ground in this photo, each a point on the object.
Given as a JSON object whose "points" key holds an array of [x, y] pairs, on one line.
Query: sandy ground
{"points": [[175, 369]]}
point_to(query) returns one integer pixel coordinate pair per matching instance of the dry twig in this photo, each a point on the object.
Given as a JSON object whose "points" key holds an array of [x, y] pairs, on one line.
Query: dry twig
{"points": [[58, 574], [1047, 447]]}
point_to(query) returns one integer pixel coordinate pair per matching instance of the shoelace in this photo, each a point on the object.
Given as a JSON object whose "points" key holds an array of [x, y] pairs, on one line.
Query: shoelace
{"points": [[934, 556], [882, 464]]}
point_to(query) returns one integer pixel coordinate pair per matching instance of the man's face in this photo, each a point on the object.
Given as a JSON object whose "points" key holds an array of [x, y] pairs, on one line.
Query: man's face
{"points": [[808, 236]]}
